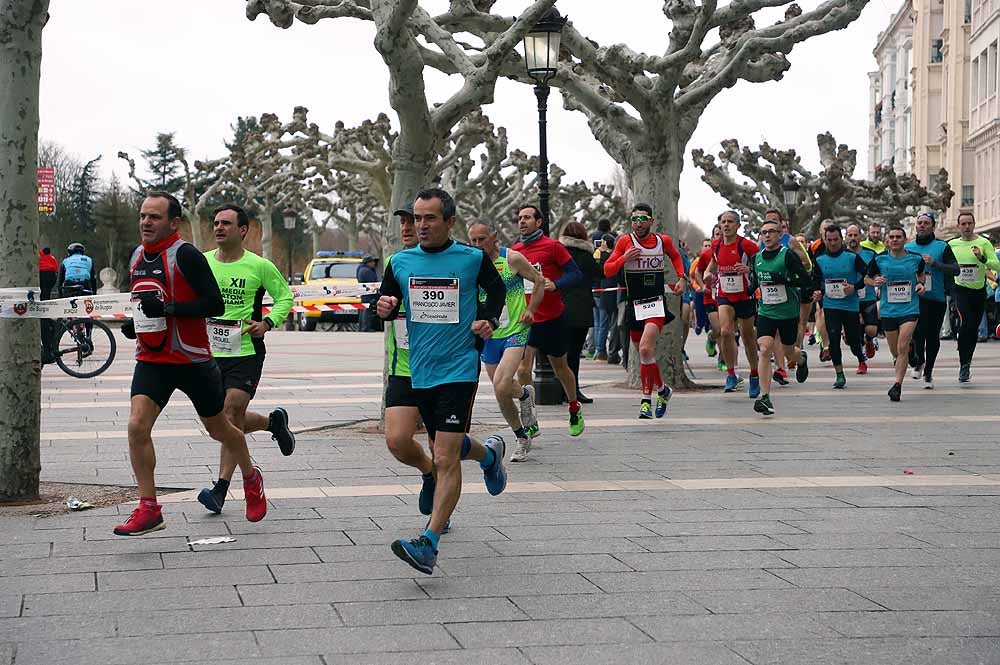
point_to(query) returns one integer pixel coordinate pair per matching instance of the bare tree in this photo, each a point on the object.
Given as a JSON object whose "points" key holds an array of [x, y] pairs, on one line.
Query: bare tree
{"points": [[21, 24], [830, 193], [642, 108], [409, 39]]}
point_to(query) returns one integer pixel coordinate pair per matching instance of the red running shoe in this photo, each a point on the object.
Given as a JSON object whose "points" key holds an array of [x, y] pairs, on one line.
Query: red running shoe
{"points": [[870, 348], [253, 491], [144, 519], [824, 356], [862, 368]]}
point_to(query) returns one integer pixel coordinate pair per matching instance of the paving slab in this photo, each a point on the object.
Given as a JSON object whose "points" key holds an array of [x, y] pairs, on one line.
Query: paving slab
{"points": [[709, 537]]}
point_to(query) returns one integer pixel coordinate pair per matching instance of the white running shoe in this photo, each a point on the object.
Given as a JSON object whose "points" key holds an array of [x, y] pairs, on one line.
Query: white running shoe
{"points": [[928, 383], [917, 372], [521, 450], [529, 414]]}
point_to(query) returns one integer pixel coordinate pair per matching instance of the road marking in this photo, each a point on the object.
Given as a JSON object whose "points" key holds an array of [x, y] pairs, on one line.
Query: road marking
{"points": [[963, 480]]}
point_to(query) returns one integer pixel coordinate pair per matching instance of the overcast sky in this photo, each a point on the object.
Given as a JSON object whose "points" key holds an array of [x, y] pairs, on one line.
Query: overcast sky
{"points": [[116, 72]]}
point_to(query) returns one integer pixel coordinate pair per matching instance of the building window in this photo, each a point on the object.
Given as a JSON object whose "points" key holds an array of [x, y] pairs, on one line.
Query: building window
{"points": [[968, 196], [968, 11], [936, 54], [992, 80]]}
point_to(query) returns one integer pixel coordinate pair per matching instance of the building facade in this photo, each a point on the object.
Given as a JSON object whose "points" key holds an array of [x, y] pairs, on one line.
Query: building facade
{"points": [[984, 112], [890, 111]]}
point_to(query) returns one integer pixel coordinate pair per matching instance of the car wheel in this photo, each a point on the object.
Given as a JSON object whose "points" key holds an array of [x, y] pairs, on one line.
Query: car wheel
{"points": [[306, 323]]}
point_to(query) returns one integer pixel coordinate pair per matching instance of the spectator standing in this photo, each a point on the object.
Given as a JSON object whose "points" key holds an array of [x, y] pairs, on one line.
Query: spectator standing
{"points": [[48, 272], [366, 273], [579, 299]]}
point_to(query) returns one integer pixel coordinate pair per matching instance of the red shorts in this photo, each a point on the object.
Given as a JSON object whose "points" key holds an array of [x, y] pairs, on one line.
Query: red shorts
{"points": [[658, 321]]}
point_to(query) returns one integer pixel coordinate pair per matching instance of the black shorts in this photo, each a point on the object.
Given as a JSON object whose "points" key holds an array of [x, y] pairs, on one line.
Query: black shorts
{"points": [[201, 382], [447, 407], [241, 372], [869, 313], [806, 294], [550, 337], [399, 392], [892, 323], [745, 309], [711, 308], [787, 329]]}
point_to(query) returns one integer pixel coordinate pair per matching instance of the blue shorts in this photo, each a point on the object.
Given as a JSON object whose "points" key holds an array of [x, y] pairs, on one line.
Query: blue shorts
{"points": [[493, 348]]}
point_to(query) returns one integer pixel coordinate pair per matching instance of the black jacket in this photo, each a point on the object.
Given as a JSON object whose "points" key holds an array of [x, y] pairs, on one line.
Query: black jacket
{"points": [[579, 299]]}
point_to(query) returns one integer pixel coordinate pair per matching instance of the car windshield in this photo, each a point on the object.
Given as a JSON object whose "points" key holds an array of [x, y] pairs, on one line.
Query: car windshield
{"points": [[328, 270]]}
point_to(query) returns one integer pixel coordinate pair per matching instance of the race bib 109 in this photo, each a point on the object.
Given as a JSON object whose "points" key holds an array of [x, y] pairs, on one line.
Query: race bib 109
{"points": [[899, 292]]}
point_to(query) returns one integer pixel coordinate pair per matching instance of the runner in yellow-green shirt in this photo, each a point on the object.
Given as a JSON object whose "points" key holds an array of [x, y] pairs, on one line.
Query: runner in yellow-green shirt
{"points": [[503, 352], [974, 254], [237, 338]]}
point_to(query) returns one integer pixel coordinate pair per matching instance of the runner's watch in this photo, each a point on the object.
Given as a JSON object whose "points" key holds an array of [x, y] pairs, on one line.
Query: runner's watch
{"points": [[495, 322]]}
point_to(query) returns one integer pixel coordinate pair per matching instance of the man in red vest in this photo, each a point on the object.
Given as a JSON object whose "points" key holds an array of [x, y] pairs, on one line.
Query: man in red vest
{"points": [[173, 291]]}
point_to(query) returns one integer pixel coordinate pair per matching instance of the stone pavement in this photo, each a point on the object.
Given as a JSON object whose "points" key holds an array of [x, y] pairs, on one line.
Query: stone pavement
{"points": [[711, 537]]}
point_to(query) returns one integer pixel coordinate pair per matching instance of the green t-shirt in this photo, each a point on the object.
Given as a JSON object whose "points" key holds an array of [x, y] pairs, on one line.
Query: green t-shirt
{"points": [[779, 297], [972, 271], [243, 284], [397, 341]]}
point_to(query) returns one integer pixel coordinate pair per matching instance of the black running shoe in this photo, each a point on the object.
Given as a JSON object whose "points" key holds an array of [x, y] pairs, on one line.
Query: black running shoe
{"points": [[277, 425], [895, 392], [426, 500], [212, 499]]}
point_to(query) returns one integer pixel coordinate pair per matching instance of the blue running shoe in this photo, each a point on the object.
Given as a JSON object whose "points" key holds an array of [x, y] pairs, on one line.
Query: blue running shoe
{"points": [[212, 500], [446, 529], [754, 390], [418, 552], [731, 383], [662, 398], [426, 500], [495, 475]]}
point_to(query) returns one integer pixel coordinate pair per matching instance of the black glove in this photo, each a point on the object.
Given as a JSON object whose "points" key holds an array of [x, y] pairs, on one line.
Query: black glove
{"points": [[152, 307], [129, 330]]}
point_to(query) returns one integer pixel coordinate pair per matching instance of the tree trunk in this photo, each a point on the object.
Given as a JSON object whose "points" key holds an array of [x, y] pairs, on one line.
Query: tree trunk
{"points": [[655, 179], [266, 230], [196, 234], [21, 23], [411, 173], [316, 232]]}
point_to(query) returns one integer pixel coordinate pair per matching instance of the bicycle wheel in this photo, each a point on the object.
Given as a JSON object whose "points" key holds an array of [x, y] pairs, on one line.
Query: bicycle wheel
{"points": [[85, 347]]}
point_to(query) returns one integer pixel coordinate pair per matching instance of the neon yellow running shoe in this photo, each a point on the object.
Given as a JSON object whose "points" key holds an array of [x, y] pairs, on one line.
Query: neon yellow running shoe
{"points": [[576, 423]]}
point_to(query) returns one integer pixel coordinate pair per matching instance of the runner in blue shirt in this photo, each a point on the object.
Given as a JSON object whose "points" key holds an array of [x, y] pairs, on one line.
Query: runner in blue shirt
{"points": [[938, 262], [438, 282], [900, 276]]}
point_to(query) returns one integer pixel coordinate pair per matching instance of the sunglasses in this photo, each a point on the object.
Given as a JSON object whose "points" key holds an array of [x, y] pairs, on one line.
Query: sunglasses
{"points": [[640, 219], [770, 231]]}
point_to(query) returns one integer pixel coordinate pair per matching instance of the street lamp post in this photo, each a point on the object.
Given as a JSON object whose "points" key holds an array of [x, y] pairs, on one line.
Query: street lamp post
{"points": [[541, 58], [790, 193], [290, 217]]}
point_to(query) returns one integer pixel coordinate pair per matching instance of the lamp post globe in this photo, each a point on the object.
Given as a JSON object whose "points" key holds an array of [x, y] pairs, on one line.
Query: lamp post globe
{"points": [[790, 192], [541, 46]]}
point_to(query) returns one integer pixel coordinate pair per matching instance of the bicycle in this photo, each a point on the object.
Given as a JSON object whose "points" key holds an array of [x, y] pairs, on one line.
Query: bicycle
{"points": [[83, 348]]}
